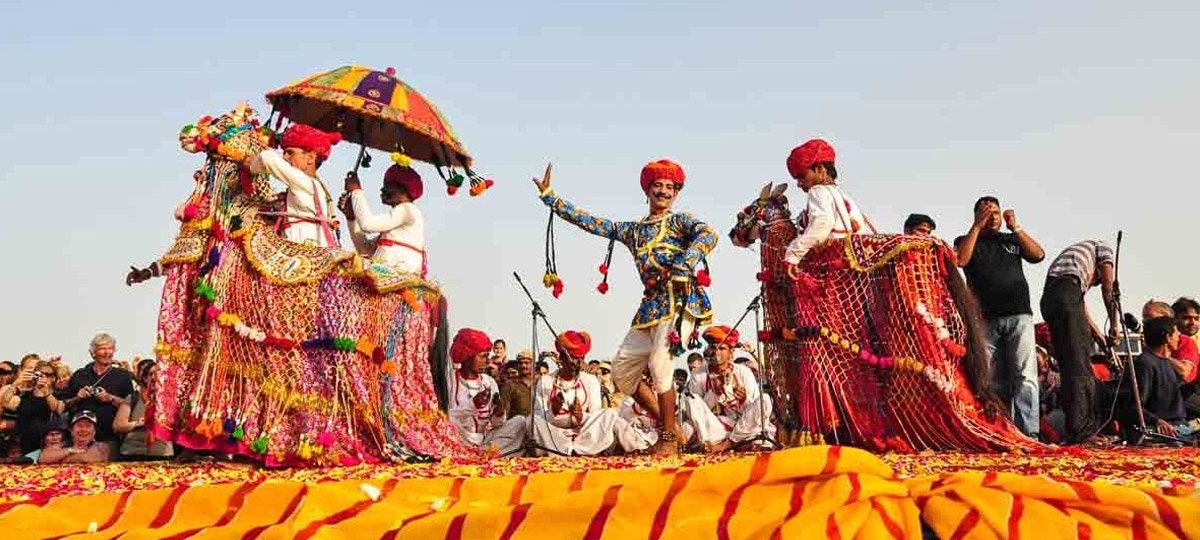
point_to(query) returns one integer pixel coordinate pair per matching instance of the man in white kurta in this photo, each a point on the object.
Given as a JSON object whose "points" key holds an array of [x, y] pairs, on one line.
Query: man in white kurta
{"points": [[569, 416], [473, 394], [400, 240], [308, 217], [728, 406]]}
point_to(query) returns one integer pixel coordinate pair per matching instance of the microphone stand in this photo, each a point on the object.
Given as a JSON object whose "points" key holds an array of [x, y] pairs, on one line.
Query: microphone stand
{"points": [[535, 313], [1140, 433], [762, 437]]}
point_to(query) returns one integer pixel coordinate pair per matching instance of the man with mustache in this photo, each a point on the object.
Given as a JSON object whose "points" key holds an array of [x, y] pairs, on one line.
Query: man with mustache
{"points": [[667, 247]]}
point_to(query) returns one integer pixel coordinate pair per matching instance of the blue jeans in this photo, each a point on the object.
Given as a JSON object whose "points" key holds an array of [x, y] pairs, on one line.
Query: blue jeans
{"points": [[1011, 346]]}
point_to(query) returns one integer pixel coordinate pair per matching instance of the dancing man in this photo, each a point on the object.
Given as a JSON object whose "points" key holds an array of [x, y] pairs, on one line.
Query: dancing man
{"points": [[400, 243], [569, 416], [666, 247], [308, 218], [726, 407], [473, 397]]}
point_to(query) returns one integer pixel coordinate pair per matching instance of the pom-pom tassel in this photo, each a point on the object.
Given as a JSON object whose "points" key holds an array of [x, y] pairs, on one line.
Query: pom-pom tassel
{"points": [[603, 286]]}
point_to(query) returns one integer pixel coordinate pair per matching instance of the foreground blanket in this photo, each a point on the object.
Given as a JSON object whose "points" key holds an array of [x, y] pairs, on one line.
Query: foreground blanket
{"points": [[830, 492]]}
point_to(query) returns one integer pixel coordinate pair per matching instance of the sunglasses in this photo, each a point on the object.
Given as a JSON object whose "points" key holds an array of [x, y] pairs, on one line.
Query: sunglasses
{"points": [[47, 373], [5, 372], [605, 371]]}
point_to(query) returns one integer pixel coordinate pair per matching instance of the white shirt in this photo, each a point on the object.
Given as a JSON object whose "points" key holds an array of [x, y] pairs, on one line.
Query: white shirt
{"points": [[829, 214], [403, 223], [714, 394], [584, 388], [305, 196], [462, 409]]}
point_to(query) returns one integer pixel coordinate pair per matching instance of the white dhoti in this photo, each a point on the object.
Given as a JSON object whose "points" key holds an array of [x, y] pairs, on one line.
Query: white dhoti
{"points": [[753, 418], [597, 434], [648, 348], [506, 437], [641, 430], [707, 426]]}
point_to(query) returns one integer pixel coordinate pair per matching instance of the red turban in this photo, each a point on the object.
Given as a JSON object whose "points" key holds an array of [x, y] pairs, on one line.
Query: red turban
{"points": [[309, 138], [663, 169], [407, 179], [716, 335], [574, 344], [469, 342], [803, 157]]}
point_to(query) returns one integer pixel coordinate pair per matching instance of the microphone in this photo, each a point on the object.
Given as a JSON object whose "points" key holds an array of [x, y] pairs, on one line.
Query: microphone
{"points": [[1131, 322]]}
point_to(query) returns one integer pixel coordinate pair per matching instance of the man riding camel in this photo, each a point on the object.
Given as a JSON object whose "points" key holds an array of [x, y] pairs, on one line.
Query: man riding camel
{"points": [[308, 218]]}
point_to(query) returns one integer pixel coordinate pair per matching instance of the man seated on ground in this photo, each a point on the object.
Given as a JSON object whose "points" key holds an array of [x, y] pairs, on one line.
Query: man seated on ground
{"points": [[473, 397], [1158, 383], [1184, 357], [732, 401], [568, 415], [610, 396]]}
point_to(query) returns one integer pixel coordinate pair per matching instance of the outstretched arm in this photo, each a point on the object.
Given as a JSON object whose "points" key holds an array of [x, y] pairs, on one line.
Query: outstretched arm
{"points": [[566, 210]]}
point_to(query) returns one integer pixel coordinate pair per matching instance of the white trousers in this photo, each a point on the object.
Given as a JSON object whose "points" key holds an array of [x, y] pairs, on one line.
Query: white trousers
{"points": [[648, 348]]}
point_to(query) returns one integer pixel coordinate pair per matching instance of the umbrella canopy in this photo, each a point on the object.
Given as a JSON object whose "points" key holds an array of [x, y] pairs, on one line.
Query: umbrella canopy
{"points": [[373, 108]]}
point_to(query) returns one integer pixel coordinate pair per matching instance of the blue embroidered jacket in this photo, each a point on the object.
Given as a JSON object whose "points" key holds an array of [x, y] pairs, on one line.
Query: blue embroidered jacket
{"points": [[664, 249]]}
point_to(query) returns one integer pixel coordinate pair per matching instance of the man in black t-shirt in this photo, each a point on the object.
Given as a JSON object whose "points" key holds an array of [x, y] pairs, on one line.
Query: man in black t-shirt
{"points": [[993, 262], [100, 387]]}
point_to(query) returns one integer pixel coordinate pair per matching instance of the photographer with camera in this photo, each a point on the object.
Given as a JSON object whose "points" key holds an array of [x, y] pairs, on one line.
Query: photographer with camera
{"points": [[99, 387], [31, 399]]}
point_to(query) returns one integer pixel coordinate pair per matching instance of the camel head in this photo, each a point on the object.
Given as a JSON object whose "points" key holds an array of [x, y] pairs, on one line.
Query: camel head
{"points": [[769, 207]]}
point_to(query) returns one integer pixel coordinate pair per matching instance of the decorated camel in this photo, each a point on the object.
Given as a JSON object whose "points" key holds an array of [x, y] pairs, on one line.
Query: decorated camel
{"points": [[288, 353], [882, 348]]}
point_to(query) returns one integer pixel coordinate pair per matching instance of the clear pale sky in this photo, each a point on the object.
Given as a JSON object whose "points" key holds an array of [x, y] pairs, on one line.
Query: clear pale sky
{"points": [[1082, 116]]}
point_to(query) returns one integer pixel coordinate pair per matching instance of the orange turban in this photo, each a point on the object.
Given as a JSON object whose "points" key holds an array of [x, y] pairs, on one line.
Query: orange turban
{"points": [[574, 344], [469, 342], [663, 169], [407, 179], [803, 157], [309, 138], [716, 335]]}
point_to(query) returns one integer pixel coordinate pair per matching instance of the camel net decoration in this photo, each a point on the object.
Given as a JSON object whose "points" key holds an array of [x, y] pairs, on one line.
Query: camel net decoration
{"points": [[871, 347]]}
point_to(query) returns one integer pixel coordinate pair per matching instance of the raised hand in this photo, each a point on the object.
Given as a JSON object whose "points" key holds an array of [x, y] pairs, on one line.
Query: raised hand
{"points": [[1010, 220], [544, 183], [351, 183], [137, 275]]}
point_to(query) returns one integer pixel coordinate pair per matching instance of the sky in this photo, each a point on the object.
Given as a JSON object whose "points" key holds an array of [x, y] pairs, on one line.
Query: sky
{"points": [[1081, 116]]}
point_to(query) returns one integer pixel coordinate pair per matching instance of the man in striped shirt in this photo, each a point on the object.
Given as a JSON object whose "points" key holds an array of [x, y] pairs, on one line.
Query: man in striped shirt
{"points": [[1077, 269]]}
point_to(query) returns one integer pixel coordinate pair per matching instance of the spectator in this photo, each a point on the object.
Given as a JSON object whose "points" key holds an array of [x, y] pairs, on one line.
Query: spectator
{"points": [[994, 264], [695, 362], [610, 396], [54, 437], [1077, 269], [1184, 356], [100, 388], [137, 444], [84, 447], [515, 398], [543, 368], [551, 360], [1187, 318], [498, 357], [31, 397], [1158, 384], [919, 225], [511, 370], [8, 373], [593, 367]]}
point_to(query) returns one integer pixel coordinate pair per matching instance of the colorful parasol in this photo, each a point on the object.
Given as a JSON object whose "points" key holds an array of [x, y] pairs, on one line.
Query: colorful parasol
{"points": [[373, 108], [377, 110]]}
